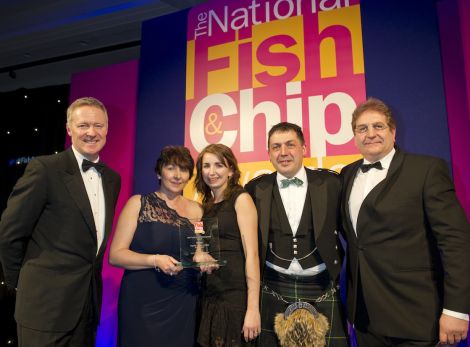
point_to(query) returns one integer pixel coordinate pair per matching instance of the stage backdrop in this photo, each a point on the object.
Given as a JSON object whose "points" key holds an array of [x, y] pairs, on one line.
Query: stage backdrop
{"points": [[116, 87], [227, 70], [250, 65]]}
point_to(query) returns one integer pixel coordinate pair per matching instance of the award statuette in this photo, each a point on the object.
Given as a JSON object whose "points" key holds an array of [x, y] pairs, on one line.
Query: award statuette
{"points": [[199, 243]]}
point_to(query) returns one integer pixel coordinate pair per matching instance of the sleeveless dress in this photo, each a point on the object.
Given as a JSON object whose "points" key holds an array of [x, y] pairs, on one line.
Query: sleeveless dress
{"points": [[224, 292], [156, 309]]}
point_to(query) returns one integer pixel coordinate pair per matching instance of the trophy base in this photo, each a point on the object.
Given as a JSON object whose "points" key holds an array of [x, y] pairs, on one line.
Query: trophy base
{"points": [[188, 264]]}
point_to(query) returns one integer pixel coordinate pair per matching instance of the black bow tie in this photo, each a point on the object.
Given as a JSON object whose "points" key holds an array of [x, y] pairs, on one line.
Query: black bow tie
{"points": [[366, 167], [86, 164]]}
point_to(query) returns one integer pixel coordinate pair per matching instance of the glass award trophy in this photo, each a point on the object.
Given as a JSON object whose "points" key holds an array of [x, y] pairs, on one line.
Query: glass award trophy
{"points": [[199, 243]]}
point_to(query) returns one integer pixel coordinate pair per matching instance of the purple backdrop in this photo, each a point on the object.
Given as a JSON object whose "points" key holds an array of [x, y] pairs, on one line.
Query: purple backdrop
{"points": [[116, 87]]}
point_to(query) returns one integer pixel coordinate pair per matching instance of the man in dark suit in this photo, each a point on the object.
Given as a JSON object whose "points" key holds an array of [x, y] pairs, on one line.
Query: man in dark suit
{"points": [[408, 241], [53, 235], [300, 252]]}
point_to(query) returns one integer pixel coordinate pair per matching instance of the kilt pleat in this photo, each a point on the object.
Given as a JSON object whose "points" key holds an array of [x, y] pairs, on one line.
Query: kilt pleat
{"points": [[294, 289]]}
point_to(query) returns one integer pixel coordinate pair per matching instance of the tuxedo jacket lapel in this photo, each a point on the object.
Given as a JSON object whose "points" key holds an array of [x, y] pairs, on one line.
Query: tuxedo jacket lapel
{"points": [[74, 183], [318, 200], [264, 193], [380, 190]]}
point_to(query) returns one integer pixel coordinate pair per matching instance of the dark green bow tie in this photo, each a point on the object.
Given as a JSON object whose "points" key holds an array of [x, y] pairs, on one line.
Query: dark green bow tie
{"points": [[288, 181]]}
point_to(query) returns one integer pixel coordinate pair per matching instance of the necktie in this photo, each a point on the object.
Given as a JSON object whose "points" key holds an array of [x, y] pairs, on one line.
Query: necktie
{"points": [[288, 181], [86, 164], [366, 167]]}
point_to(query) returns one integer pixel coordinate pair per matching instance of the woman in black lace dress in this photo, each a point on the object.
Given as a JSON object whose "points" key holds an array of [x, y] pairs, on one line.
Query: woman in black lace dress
{"points": [[230, 295], [157, 299]]}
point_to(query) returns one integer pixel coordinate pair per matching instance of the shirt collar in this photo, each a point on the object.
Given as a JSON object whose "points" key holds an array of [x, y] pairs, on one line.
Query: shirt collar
{"points": [[301, 174], [80, 157], [385, 161]]}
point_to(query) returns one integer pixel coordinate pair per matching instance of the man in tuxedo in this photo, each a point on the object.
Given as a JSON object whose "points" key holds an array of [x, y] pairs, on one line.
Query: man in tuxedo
{"points": [[408, 241], [53, 235], [300, 251]]}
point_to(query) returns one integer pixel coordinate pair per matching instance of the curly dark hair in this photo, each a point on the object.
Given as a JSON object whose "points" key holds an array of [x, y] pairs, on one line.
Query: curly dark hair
{"points": [[373, 104], [226, 156], [176, 155]]}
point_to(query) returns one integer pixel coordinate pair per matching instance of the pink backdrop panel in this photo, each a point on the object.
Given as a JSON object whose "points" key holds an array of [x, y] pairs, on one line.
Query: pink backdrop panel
{"points": [[454, 26], [116, 87]]}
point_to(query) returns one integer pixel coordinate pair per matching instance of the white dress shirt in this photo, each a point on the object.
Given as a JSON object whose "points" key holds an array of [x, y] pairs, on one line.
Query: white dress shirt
{"points": [[94, 189], [293, 199], [364, 182]]}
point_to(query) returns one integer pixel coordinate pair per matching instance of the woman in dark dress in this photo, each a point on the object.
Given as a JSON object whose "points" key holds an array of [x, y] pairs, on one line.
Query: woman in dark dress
{"points": [[230, 294], [157, 299]]}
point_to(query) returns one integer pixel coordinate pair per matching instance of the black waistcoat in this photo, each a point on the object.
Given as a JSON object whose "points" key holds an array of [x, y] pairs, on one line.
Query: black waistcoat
{"points": [[282, 245]]}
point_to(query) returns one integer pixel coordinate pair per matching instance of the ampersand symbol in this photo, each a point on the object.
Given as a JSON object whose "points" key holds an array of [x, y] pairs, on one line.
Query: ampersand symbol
{"points": [[211, 128]]}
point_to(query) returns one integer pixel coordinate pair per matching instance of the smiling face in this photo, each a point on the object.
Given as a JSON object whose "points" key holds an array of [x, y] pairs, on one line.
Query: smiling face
{"points": [[215, 172], [286, 152], [378, 138], [88, 127], [173, 179]]}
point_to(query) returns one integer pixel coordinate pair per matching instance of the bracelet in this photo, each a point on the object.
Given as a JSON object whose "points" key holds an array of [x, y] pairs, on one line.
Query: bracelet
{"points": [[155, 263]]}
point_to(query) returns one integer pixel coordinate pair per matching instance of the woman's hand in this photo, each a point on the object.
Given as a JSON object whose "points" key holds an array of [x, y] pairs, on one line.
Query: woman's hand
{"points": [[252, 325], [209, 263], [167, 264]]}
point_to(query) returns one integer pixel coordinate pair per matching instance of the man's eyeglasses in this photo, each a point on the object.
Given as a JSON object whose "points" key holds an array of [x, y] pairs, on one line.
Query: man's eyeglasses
{"points": [[362, 129]]}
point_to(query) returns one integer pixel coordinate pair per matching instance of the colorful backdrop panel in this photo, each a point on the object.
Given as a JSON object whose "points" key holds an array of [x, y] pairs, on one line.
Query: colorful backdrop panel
{"points": [[116, 87], [251, 65]]}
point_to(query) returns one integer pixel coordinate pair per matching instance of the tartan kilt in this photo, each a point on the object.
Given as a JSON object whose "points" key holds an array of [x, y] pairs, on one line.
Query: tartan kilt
{"points": [[293, 288]]}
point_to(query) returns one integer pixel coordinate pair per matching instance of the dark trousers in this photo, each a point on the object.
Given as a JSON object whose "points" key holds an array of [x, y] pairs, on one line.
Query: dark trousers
{"points": [[367, 337], [83, 335], [371, 339]]}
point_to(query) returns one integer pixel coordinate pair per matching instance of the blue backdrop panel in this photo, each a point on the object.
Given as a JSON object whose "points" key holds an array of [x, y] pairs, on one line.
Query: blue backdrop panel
{"points": [[161, 94], [403, 68]]}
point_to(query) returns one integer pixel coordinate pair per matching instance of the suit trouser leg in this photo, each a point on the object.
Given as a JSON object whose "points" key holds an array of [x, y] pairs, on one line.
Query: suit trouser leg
{"points": [[371, 339], [367, 337], [83, 335]]}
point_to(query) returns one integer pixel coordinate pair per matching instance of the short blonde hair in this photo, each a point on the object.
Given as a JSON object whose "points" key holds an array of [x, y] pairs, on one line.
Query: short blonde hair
{"points": [[86, 101]]}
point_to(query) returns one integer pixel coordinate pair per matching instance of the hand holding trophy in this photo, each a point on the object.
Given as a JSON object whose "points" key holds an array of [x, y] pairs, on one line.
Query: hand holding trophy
{"points": [[199, 245]]}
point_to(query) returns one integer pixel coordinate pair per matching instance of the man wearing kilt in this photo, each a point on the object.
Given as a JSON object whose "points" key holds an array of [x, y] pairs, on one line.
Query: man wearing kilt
{"points": [[300, 252]]}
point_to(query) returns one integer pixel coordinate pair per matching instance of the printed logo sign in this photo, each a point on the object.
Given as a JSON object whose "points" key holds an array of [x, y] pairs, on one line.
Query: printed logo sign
{"points": [[254, 63]]}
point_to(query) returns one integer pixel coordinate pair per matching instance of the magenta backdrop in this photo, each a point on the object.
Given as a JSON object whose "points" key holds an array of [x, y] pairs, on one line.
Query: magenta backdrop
{"points": [[454, 25], [116, 87]]}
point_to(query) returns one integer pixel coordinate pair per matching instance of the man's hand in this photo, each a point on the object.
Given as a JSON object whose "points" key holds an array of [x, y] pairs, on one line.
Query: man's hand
{"points": [[452, 330]]}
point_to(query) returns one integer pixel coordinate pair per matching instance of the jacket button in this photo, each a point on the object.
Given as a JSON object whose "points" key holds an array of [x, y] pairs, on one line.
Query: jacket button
{"points": [[336, 262]]}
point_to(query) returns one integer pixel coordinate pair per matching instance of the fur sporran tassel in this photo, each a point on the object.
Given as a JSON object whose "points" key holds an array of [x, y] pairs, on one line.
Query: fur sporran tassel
{"points": [[301, 328]]}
